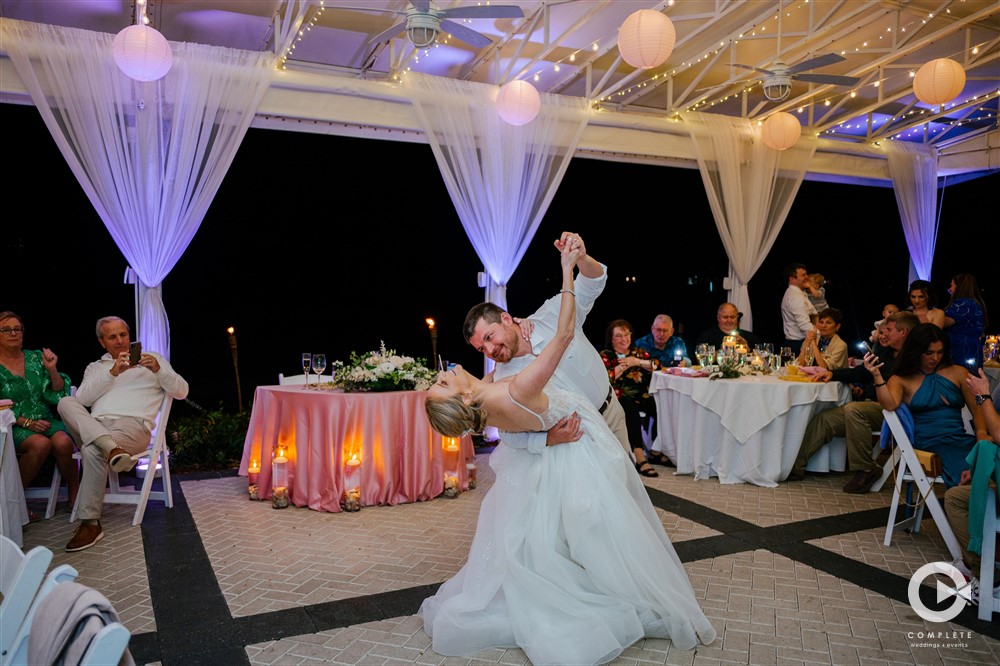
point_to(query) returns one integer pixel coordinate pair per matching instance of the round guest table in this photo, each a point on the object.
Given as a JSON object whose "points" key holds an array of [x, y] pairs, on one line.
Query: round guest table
{"points": [[402, 458]]}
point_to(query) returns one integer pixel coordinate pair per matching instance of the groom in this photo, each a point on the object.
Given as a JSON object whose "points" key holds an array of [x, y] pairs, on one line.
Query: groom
{"points": [[494, 332]]}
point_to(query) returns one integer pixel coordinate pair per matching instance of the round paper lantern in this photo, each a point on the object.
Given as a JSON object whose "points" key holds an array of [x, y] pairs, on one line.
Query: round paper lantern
{"points": [[142, 53], [518, 102], [646, 39], [939, 81], [781, 131]]}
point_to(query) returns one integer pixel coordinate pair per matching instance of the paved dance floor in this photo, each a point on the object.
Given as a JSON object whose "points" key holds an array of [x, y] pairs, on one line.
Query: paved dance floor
{"points": [[790, 575]]}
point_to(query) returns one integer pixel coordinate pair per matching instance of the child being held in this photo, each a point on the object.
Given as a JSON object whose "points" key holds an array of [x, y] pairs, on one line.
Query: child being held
{"points": [[886, 311], [816, 292]]}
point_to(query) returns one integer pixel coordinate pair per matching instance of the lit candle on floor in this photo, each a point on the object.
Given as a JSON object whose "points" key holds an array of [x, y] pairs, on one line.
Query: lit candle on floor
{"points": [[351, 500], [279, 480]]}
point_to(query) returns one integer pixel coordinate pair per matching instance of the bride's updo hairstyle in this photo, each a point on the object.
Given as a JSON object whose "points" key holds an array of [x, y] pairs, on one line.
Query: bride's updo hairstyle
{"points": [[453, 417]]}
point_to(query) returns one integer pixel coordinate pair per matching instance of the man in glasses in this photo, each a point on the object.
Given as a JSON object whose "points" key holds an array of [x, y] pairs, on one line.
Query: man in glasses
{"points": [[663, 345], [124, 394]]}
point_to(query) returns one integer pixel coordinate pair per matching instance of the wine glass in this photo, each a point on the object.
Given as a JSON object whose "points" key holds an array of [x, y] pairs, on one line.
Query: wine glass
{"points": [[306, 365], [318, 365], [704, 353], [786, 355]]}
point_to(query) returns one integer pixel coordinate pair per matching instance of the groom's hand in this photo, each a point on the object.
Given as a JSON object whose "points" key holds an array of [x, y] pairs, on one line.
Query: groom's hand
{"points": [[566, 430], [574, 241]]}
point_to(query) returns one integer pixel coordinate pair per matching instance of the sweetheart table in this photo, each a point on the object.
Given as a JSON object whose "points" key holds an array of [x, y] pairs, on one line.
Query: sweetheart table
{"points": [[745, 430], [402, 458]]}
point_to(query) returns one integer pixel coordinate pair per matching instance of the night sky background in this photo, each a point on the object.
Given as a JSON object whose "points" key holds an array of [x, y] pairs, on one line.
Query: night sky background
{"points": [[330, 244]]}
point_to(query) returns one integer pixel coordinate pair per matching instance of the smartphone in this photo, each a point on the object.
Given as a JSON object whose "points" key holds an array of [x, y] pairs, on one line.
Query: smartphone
{"points": [[134, 352], [867, 348]]}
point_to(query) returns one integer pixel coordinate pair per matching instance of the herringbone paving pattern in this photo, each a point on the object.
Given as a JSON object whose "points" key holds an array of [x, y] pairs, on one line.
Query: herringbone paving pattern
{"points": [[771, 598]]}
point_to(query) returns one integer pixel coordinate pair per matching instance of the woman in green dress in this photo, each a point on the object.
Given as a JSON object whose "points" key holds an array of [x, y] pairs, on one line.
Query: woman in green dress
{"points": [[29, 378]]}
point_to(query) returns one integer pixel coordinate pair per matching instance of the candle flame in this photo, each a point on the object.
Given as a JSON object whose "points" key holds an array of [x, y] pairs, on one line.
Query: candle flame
{"points": [[230, 330], [430, 322], [354, 456]]}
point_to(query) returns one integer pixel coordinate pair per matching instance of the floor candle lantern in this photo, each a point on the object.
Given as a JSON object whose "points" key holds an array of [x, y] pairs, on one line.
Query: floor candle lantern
{"points": [[451, 461], [351, 501], [279, 480], [471, 467], [253, 476]]}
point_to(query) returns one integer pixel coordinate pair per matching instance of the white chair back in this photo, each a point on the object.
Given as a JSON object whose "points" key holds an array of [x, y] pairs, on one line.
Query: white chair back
{"points": [[910, 470], [292, 379], [17, 655], [20, 578]]}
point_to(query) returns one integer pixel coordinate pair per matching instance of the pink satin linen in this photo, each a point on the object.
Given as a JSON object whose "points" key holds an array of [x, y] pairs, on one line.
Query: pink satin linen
{"points": [[402, 458]]}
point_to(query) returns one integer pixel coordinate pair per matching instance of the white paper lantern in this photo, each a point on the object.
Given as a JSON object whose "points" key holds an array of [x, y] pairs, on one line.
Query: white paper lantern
{"points": [[939, 81], [518, 102], [781, 131], [142, 53], [646, 39]]}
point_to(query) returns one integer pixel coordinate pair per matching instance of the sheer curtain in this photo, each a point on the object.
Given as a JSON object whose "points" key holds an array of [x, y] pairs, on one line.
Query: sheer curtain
{"points": [[150, 156], [501, 178], [913, 169], [750, 189]]}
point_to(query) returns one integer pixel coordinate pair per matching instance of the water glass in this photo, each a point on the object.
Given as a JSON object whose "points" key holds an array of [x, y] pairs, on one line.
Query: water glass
{"points": [[318, 366]]}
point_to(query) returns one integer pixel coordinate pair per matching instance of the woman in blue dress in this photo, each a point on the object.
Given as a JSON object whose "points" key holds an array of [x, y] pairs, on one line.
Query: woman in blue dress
{"points": [[966, 320], [934, 389]]}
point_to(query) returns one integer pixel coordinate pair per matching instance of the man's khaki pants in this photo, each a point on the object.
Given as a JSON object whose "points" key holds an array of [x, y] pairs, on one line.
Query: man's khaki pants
{"points": [[128, 433], [855, 421]]}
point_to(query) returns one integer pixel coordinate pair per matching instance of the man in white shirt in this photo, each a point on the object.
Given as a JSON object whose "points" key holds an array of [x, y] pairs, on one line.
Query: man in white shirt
{"points": [[494, 332], [123, 400], [796, 310]]}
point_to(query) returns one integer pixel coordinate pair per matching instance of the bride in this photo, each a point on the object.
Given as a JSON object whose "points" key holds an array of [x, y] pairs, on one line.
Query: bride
{"points": [[570, 561]]}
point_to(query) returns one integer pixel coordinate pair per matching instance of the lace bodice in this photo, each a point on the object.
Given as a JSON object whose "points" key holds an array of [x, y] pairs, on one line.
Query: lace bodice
{"points": [[561, 403]]}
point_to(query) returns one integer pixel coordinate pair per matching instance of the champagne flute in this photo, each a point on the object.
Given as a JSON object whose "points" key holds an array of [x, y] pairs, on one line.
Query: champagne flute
{"points": [[306, 364], [318, 365]]}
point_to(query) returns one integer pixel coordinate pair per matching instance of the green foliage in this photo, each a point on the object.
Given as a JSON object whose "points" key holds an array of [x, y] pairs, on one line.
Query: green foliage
{"points": [[211, 440]]}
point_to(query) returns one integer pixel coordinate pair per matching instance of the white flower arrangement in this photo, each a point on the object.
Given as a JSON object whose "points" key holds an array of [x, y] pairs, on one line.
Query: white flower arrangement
{"points": [[383, 370]]}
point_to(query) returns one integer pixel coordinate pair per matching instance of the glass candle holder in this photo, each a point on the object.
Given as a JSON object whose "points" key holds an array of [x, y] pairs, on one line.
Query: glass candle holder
{"points": [[351, 500], [279, 480], [471, 468]]}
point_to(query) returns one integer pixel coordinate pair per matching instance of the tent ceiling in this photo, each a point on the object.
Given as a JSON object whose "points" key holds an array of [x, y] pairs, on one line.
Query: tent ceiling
{"points": [[569, 47]]}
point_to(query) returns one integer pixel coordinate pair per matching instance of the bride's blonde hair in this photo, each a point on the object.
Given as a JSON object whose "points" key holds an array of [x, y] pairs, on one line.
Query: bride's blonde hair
{"points": [[454, 417]]}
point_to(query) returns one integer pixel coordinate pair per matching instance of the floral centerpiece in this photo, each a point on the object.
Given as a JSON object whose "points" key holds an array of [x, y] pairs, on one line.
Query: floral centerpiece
{"points": [[733, 367], [383, 370]]}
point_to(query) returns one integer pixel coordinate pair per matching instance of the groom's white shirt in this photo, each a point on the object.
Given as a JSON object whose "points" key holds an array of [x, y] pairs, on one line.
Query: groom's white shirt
{"points": [[581, 368]]}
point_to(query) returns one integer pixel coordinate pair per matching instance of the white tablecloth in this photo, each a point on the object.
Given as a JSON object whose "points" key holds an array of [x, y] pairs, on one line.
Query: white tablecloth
{"points": [[742, 430], [13, 509]]}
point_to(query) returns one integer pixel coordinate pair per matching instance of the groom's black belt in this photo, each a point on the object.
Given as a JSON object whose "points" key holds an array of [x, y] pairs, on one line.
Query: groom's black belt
{"points": [[607, 401]]}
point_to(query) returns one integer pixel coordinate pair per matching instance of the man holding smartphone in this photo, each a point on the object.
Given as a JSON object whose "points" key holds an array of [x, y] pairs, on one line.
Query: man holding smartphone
{"points": [[855, 420], [123, 390]]}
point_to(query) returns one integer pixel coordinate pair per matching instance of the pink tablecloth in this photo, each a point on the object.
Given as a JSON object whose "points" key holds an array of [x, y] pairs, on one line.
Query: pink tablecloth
{"points": [[403, 459]]}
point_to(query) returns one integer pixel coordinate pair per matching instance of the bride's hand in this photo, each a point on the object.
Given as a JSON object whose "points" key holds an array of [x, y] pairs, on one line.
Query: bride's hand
{"points": [[569, 255], [526, 326]]}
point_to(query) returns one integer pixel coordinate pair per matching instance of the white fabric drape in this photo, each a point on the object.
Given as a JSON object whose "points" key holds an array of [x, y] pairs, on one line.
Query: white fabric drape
{"points": [[750, 189], [913, 169], [150, 156], [501, 178]]}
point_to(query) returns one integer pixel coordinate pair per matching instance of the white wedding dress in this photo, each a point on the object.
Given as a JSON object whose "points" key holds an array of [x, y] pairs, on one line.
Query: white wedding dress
{"points": [[570, 561]]}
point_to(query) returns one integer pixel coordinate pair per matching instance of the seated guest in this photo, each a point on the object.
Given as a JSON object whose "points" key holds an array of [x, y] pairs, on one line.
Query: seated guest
{"points": [[823, 344], [933, 387], [662, 345], [123, 400], [922, 303], [856, 420], [971, 490], [886, 311], [30, 380], [630, 370], [727, 317], [816, 291]]}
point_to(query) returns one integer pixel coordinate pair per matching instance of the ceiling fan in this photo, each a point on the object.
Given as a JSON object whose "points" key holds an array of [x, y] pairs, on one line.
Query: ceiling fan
{"points": [[778, 79], [424, 22]]}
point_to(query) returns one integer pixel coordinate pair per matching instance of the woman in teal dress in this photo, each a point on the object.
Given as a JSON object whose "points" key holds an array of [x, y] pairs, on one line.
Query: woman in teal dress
{"points": [[966, 320], [30, 379], [935, 390]]}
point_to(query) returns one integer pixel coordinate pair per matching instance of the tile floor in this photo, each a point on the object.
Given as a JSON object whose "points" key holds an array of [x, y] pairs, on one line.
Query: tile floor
{"points": [[790, 575]]}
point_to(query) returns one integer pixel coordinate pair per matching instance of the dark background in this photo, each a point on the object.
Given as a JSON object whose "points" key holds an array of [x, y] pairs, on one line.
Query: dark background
{"points": [[322, 243]]}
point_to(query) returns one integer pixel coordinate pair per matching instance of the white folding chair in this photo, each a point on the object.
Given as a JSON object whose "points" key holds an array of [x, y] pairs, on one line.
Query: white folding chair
{"points": [[52, 492], [21, 576], [157, 456], [991, 527], [293, 379], [16, 654], [909, 470]]}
